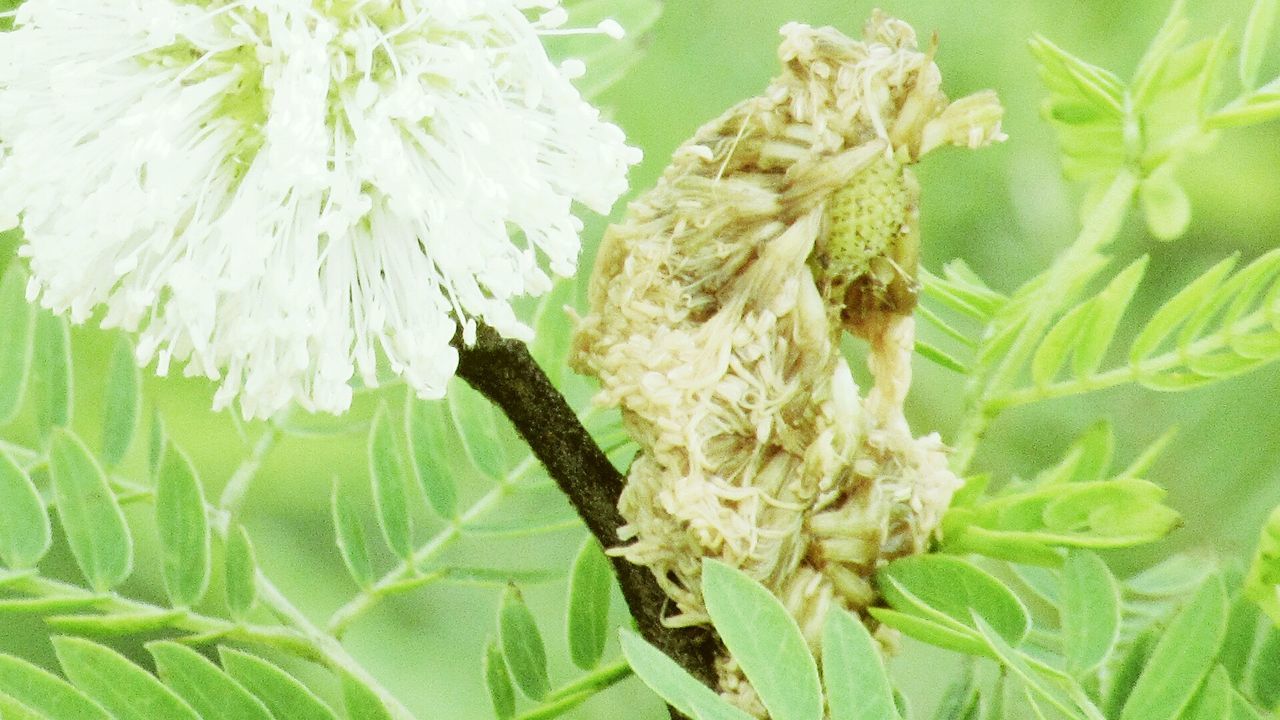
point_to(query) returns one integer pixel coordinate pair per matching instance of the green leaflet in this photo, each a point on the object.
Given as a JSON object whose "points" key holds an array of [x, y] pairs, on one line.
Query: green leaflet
{"points": [[1182, 658], [46, 693], [1262, 583], [16, 341], [90, 515], [1265, 678], [284, 696], [1178, 309], [24, 524], [127, 691], [241, 573], [522, 645], [857, 686], [429, 426], [203, 685], [481, 429], [1257, 32], [680, 689], [501, 694], [765, 641], [950, 592], [350, 537], [588, 619], [51, 372], [183, 526], [1056, 689], [1090, 612], [361, 702], [1213, 701], [122, 403], [386, 471]]}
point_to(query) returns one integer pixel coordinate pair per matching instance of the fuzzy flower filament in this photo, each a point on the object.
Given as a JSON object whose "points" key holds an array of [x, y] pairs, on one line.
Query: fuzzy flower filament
{"points": [[282, 193]]}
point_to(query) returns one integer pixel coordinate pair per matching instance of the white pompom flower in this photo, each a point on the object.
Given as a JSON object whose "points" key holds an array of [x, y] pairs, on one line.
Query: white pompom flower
{"points": [[278, 192]]}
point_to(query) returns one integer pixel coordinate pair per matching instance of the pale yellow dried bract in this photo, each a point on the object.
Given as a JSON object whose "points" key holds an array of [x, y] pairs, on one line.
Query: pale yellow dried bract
{"points": [[717, 308]]}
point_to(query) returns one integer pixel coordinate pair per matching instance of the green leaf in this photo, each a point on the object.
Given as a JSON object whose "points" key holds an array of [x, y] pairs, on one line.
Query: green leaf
{"points": [[183, 528], [241, 573], [1090, 612], [670, 681], [1182, 658], [350, 536], [1130, 667], [1057, 689], [91, 517], [123, 400], [386, 470], [501, 694], [1265, 678], [24, 524], [522, 645], [46, 693], [361, 702], [1165, 205], [51, 372], [936, 629], [588, 620], [1260, 107], [127, 691], [1262, 583], [1213, 700], [1257, 33], [1059, 343], [430, 431], [16, 340], [955, 588], [765, 641], [1059, 69], [203, 685], [478, 426], [857, 686], [1242, 709], [1106, 309], [553, 329], [11, 709], [1153, 74], [962, 700], [1242, 635], [284, 696], [1177, 309]]}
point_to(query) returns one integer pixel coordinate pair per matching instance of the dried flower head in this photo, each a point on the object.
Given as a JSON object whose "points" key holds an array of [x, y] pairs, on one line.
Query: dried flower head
{"points": [[716, 313], [275, 192]]}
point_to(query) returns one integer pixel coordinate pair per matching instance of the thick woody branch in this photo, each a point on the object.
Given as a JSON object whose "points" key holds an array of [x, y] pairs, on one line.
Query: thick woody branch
{"points": [[506, 373]]}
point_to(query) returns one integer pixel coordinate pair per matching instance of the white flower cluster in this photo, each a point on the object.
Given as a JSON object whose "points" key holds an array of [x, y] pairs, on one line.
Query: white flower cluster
{"points": [[277, 192]]}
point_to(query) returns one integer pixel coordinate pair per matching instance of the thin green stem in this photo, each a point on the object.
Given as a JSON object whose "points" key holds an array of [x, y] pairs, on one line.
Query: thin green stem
{"points": [[394, 580], [1134, 372]]}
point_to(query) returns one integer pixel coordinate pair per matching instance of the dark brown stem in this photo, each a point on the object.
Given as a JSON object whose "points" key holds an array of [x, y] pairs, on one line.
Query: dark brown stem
{"points": [[505, 372]]}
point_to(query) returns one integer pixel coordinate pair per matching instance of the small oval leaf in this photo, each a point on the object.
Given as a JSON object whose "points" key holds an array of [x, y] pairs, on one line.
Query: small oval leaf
{"points": [[765, 641], [120, 410], [183, 528], [681, 690], [589, 588], [284, 696], [24, 523], [241, 573], [127, 691], [91, 517], [501, 694], [1090, 612], [957, 589], [51, 372], [522, 646], [350, 536], [361, 702], [16, 340], [203, 685], [430, 429], [386, 471], [46, 693], [857, 686]]}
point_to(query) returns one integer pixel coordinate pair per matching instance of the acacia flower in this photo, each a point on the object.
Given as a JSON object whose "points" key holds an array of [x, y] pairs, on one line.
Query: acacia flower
{"points": [[283, 193]]}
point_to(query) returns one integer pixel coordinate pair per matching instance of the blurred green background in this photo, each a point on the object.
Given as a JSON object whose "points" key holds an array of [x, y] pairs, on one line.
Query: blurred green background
{"points": [[1005, 210]]}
